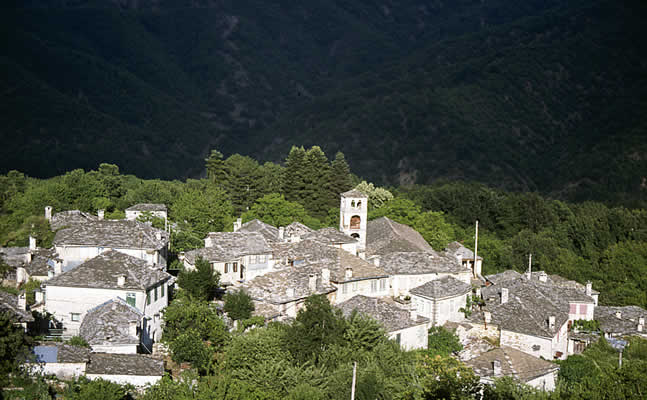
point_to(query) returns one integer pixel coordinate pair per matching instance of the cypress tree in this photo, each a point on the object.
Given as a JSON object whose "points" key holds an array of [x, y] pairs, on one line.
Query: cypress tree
{"points": [[317, 182], [340, 179]]}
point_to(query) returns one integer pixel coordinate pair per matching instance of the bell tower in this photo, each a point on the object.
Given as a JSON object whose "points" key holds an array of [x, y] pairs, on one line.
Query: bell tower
{"points": [[353, 211]]}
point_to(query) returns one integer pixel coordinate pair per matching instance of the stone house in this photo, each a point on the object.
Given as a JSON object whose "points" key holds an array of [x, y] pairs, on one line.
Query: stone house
{"points": [[16, 307], [155, 210], [621, 321], [406, 327], [237, 256], [441, 299], [384, 236], [70, 295], [465, 256], [334, 238], [510, 362], [80, 242], [408, 270], [113, 327], [65, 361], [269, 232]]}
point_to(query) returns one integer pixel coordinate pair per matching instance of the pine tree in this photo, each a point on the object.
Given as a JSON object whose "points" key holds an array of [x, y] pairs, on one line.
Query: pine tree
{"points": [[215, 167], [293, 182], [340, 178], [317, 183]]}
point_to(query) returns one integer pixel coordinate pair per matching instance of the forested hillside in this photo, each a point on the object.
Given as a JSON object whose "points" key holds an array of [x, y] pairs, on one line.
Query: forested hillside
{"points": [[540, 95]]}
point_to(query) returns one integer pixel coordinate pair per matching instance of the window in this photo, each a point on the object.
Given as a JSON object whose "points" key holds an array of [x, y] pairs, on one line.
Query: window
{"points": [[148, 298], [344, 288], [355, 286], [76, 317], [359, 204], [262, 259], [130, 299], [355, 221], [162, 290], [373, 286], [226, 268], [383, 284], [352, 203], [235, 267], [253, 259], [573, 309], [583, 309], [398, 338], [155, 294]]}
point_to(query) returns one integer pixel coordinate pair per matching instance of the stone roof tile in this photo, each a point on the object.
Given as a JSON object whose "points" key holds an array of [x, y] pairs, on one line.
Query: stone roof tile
{"points": [[441, 288], [109, 323], [119, 234], [412, 263], [124, 364], [384, 236], [392, 317], [147, 207], [514, 363]]}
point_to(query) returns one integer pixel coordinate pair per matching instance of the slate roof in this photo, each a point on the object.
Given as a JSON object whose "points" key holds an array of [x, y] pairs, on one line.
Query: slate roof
{"points": [[530, 304], [507, 275], [41, 262], [353, 193], [286, 285], [9, 304], [412, 263], [444, 287], [112, 233], [627, 324], [227, 246], [324, 256], [559, 292], [103, 271], [329, 236], [61, 353], [384, 236], [556, 281], [124, 364], [514, 363], [269, 232], [69, 218], [296, 229], [392, 317], [14, 256], [147, 207], [109, 323], [457, 249]]}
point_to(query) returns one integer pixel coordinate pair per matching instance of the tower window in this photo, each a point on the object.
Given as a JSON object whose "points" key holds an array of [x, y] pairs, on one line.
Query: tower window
{"points": [[359, 204], [355, 221], [355, 235], [352, 203]]}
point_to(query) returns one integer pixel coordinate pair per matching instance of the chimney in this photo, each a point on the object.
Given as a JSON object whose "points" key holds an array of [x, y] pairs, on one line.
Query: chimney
{"points": [[496, 368], [325, 277], [349, 273], [121, 280], [529, 272], [281, 233], [32, 243], [238, 224], [618, 315], [158, 236], [413, 313], [101, 214], [543, 277], [22, 301], [312, 283], [551, 322], [641, 321], [28, 257], [504, 295], [58, 267], [640, 327], [362, 255], [487, 316], [589, 288], [289, 292], [376, 261], [48, 213], [132, 328]]}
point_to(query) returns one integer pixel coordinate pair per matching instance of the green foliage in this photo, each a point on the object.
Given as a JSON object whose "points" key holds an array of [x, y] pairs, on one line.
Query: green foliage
{"points": [[317, 327], [377, 196], [78, 341], [275, 210], [13, 346], [188, 346], [363, 332], [442, 342], [238, 305], [586, 325], [202, 211], [185, 314], [201, 282], [29, 287], [215, 167], [441, 377], [433, 228], [148, 217], [99, 389]]}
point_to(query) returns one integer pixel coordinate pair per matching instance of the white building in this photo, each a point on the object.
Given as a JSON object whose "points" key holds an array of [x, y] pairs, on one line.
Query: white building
{"points": [[112, 274], [65, 361], [406, 327], [83, 241], [440, 300], [507, 361], [113, 327], [154, 210]]}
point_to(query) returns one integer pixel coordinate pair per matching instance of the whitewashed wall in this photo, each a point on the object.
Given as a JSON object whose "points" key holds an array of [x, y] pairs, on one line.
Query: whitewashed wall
{"points": [[364, 287], [548, 347], [115, 349], [415, 337], [581, 311], [544, 382], [64, 371], [442, 310], [401, 284], [135, 380]]}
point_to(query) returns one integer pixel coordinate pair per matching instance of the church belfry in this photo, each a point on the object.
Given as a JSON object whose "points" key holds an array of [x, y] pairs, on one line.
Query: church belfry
{"points": [[353, 212]]}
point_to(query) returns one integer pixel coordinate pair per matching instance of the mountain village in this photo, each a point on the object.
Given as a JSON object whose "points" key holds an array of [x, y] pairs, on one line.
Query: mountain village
{"points": [[107, 282]]}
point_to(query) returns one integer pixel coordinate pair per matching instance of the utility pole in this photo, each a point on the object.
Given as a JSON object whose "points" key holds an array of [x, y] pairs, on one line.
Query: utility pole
{"points": [[476, 249], [352, 390], [620, 359]]}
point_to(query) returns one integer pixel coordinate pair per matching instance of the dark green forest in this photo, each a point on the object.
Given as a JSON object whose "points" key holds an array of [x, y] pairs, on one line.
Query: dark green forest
{"points": [[541, 96]]}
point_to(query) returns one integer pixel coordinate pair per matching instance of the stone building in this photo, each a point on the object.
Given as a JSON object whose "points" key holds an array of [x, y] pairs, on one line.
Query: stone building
{"points": [[441, 299], [353, 216]]}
